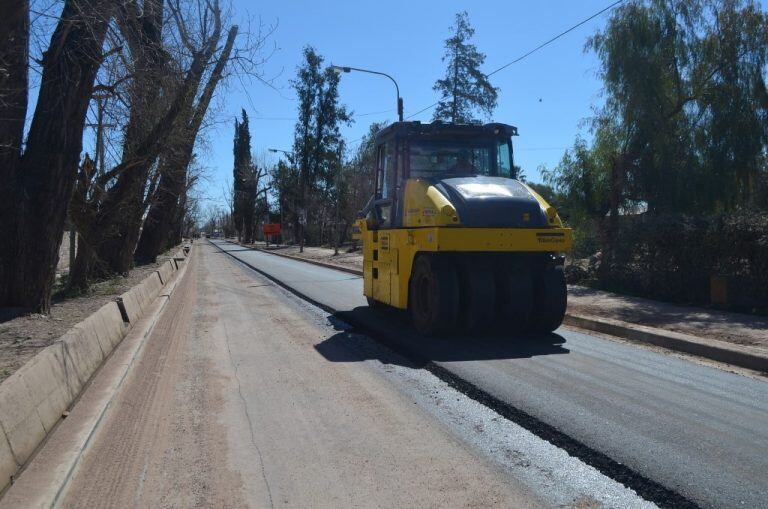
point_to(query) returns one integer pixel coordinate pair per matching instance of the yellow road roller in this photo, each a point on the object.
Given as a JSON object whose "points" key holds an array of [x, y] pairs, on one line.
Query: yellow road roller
{"points": [[455, 238]]}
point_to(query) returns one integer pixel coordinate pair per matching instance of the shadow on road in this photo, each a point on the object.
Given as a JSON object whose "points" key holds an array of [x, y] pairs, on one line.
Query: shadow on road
{"points": [[391, 327]]}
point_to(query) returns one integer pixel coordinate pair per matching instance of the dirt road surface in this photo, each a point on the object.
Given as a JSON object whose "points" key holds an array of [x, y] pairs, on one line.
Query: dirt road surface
{"points": [[231, 405]]}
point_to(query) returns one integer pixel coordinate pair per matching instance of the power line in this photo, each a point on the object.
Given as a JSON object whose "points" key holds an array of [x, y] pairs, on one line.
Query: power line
{"points": [[273, 118], [373, 113], [534, 50], [537, 149], [540, 46], [354, 115], [423, 110]]}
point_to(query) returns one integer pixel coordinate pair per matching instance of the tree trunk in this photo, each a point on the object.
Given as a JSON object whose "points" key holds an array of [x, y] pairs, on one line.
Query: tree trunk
{"points": [[37, 189], [174, 236], [72, 244], [161, 213], [14, 43], [123, 207], [79, 271], [610, 229]]}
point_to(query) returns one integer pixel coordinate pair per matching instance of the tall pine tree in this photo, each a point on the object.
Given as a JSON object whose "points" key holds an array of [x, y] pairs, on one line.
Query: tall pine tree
{"points": [[465, 88], [245, 182]]}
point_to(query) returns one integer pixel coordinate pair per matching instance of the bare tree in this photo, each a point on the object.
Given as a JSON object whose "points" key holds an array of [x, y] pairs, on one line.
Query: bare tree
{"points": [[157, 132], [197, 52], [175, 162], [114, 224]]}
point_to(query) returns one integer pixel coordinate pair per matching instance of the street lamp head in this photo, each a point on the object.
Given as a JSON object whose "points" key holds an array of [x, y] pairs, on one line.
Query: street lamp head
{"points": [[339, 69]]}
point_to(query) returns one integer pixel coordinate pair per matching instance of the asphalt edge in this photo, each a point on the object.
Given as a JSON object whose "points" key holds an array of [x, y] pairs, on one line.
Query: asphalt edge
{"points": [[341, 268], [35, 398], [720, 351]]}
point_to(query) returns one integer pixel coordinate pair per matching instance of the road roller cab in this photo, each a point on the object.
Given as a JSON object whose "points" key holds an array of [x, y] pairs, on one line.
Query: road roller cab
{"points": [[451, 234]]}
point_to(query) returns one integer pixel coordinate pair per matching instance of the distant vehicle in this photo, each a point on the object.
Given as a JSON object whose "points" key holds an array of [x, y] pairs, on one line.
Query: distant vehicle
{"points": [[454, 237]]}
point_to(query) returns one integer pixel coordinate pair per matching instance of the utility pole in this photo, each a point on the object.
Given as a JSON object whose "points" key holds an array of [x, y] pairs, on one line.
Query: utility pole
{"points": [[338, 201]]}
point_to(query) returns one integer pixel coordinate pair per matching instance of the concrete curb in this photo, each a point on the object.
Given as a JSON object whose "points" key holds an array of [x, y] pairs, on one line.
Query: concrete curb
{"points": [[166, 271], [33, 399], [136, 300], [737, 355]]}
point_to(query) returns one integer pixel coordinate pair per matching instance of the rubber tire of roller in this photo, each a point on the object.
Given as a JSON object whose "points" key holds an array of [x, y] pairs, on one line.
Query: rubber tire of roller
{"points": [[515, 307], [477, 306], [550, 300], [433, 313]]}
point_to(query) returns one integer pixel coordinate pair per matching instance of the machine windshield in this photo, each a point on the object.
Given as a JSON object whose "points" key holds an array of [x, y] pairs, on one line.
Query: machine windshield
{"points": [[431, 158]]}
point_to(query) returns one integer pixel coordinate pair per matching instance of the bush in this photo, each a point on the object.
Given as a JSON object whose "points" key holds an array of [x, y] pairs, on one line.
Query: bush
{"points": [[672, 257], [585, 240]]}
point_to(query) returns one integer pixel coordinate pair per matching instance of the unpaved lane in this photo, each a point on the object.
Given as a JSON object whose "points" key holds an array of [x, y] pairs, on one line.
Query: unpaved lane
{"points": [[231, 405]]}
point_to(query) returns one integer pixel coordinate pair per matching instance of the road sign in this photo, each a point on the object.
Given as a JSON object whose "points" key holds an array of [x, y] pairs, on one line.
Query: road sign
{"points": [[271, 228]]}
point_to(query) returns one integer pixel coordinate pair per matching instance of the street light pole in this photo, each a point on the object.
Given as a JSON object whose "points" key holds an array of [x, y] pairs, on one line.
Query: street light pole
{"points": [[340, 69], [337, 231]]}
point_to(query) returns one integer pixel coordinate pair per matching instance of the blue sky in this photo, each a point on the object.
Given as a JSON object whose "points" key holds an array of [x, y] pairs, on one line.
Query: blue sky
{"points": [[546, 96]]}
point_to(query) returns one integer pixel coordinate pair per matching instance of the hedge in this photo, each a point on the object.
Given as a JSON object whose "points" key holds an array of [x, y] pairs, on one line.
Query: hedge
{"points": [[672, 257]]}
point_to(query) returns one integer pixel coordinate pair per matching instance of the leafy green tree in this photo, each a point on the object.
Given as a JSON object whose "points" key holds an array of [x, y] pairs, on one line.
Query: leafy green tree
{"points": [[317, 140], [582, 182], [360, 173], [685, 81], [643, 52], [732, 99], [591, 188], [465, 88], [684, 127], [284, 183]]}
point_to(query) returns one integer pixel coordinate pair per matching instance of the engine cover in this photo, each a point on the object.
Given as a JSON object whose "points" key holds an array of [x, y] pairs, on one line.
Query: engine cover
{"points": [[492, 202]]}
